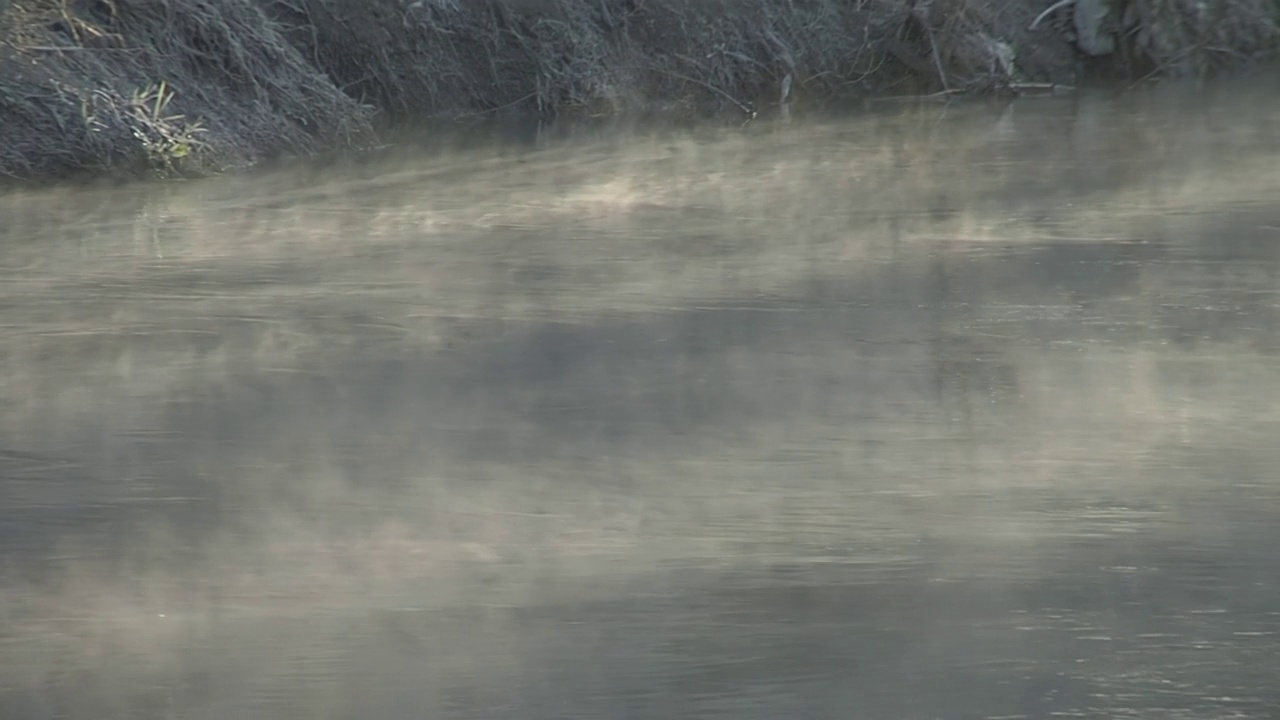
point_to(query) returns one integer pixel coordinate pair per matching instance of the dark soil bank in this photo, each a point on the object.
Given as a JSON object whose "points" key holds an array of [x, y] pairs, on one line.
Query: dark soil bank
{"points": [[193, 86]]}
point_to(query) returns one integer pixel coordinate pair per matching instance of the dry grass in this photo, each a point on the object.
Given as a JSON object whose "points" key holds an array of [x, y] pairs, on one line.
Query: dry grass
{"points": [[82, 82], [177, 88], [444, 56]]}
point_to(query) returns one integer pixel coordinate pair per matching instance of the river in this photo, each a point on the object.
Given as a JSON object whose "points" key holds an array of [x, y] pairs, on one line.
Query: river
{"points": [[921, 410]]}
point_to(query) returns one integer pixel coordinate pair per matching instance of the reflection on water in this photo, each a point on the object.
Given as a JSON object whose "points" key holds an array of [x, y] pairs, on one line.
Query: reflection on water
{"points": [[929, 412]]}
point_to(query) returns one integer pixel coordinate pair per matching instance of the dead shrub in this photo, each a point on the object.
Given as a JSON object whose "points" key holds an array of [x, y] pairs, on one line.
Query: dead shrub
{"points": [[174, 86], [1182, 38], [188, 86]]}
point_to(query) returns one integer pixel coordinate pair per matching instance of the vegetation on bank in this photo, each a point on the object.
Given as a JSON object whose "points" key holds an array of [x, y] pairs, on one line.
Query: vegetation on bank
{"points": [[184, 87]]}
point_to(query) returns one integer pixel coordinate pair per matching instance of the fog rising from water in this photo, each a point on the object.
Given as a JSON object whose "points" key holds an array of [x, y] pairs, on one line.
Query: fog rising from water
{"points": [[927, 411]]}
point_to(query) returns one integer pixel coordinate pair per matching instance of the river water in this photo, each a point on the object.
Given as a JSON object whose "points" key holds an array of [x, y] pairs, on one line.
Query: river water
{"points": [[926, 411]]}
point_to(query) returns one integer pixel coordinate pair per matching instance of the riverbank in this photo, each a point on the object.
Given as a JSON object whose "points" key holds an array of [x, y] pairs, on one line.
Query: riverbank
{"points": [[190, 87]]}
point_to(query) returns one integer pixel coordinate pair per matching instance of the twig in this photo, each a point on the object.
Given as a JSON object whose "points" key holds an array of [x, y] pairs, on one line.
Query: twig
{"points": [[785, 52], [1161, 66], [72, 48], [937, 60], [517, 101], [859, 79], [921, 15], [738, 56], [1039, 86], [1049, 11], [1226, 51], [742, 106]]}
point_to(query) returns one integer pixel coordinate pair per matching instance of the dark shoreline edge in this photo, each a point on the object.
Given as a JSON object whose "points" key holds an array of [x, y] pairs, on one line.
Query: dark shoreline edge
{"points": [[185, 88]]}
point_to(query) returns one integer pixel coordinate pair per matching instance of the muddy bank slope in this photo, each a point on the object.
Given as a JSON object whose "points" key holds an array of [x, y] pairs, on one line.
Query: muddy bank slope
{"points": [[182, 87]]}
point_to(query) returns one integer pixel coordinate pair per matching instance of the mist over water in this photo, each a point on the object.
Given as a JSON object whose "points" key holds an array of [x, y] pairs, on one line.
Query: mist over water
{"points": [[926, 411]]}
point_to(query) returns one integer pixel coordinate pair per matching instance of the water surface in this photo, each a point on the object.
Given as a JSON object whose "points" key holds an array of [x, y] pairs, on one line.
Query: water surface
{"points": [[926, 411]]}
